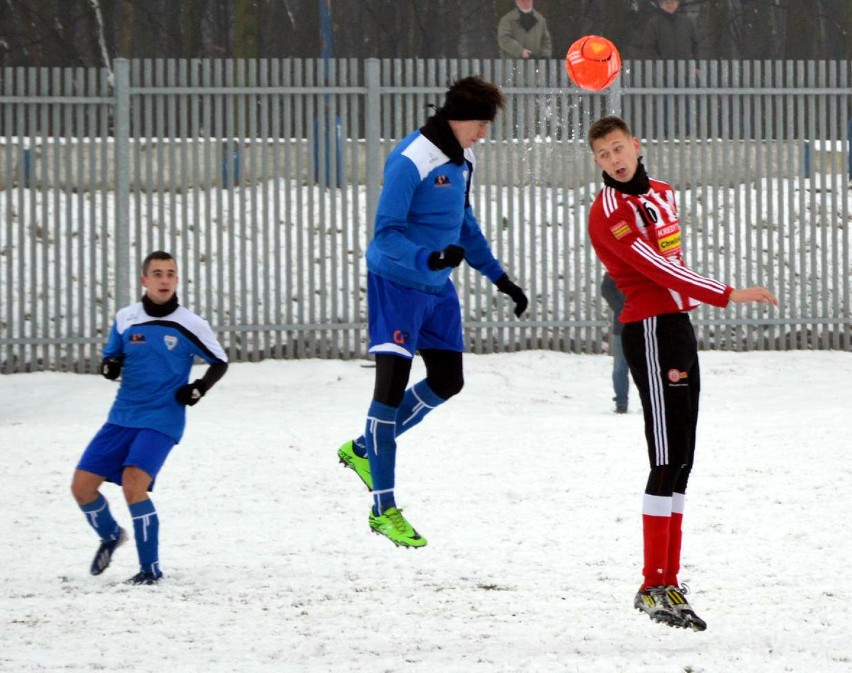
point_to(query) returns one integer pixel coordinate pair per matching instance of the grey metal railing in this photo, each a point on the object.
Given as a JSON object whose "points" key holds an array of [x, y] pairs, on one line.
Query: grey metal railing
{"points": [[262, 177]]}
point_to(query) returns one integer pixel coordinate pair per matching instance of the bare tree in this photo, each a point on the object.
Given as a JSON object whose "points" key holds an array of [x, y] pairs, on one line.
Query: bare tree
{"points": [[100, 32], [92, 32]]}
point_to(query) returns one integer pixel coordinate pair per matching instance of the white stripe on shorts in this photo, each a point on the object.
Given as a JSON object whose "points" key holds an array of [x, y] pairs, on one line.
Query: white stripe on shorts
{"points": [[396, 349], [655, 392]]}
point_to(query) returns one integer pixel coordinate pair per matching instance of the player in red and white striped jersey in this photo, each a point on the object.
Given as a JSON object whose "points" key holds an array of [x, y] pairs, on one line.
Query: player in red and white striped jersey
{"points": [[635, 231]]}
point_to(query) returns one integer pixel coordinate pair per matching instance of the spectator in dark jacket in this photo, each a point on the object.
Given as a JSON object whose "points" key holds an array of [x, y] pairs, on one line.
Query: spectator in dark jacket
{"points": [[670, 34]]}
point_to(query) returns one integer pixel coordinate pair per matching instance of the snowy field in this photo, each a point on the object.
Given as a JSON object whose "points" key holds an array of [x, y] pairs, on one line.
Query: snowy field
{"points": [[527, 487]]}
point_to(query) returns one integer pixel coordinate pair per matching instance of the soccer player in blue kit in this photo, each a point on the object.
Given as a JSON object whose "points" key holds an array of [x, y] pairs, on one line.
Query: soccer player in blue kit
{"points": [[151, 346], [425, 227]]}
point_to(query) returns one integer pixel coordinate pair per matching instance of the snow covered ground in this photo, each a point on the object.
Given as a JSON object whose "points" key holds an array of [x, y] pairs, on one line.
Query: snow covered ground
{"points": [[526, 485]]}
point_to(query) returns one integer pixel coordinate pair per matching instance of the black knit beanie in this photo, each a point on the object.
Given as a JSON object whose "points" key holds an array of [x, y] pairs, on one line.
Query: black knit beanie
{"points": [[464, 109]]}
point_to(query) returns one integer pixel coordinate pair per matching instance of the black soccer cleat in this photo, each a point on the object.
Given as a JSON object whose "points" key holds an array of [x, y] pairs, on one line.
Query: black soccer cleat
{"points": [[655, 603], [675, 597], [103, 556], [144, 577]]}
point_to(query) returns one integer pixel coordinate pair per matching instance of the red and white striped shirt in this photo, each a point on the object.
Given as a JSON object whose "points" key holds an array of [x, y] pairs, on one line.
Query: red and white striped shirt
{"points": [[638, 240]]}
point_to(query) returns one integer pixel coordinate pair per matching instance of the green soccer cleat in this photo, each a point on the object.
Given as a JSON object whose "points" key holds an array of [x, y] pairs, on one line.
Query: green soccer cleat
{"points": [[395, 528], [361, 466]]}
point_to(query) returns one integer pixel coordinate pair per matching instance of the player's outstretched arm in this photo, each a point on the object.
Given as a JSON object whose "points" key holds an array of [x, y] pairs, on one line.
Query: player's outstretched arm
{"points": [[755, 293]]}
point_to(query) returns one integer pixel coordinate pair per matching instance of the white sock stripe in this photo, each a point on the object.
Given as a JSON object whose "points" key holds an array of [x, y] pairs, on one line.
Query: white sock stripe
{"points": [[417, 408], [678, 502], [420, 399], [377, 498], [146, 521], [414, 411], [370, 433], [93, 513], [656, 505], [380, 420]]}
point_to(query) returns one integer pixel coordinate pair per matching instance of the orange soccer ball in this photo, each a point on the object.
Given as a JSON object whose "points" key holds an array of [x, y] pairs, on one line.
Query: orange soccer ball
{"points": [[593, 62]]}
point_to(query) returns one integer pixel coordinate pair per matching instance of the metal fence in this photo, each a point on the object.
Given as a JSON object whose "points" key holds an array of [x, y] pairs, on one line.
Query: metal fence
{"points": [[262, 178]]}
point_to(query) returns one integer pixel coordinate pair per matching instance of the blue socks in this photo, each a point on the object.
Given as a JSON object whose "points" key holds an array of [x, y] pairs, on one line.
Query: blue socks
{"points": [[419, 400], [380, 441], [146, 527], [100, 518]]}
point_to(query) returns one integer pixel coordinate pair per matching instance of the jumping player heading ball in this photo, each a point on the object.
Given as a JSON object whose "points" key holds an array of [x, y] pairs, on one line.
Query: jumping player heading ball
{"points": [[635, 231]]}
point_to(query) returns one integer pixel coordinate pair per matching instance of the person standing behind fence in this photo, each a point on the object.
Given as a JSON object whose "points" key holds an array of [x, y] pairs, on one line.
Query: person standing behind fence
{"points": [[635, 231], [151, 347], [425, 227], [522, 33], [669, 34], [620, 372]]}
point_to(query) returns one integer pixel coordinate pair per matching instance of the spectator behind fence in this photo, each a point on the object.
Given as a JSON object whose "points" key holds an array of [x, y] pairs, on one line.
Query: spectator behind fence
{"points": [[620, 371], [669, 34], [522, 33]]}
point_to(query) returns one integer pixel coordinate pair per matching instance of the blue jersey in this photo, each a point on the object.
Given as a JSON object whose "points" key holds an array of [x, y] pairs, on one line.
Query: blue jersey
{"points": [[158, 354], [424, 207]]}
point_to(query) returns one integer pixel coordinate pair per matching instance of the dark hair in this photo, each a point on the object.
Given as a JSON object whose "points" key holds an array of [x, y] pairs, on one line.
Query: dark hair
{"points": [[157, 254], [473, 98], [606, 125]]}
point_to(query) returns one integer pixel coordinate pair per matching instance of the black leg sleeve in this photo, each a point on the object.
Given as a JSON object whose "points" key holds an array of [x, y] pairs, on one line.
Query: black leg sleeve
{"points": [[444, 371], [392, 373]]}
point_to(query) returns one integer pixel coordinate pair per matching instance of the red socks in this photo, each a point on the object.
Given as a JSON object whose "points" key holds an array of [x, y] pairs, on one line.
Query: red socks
{"points": [[662, 524], [655, 530]]}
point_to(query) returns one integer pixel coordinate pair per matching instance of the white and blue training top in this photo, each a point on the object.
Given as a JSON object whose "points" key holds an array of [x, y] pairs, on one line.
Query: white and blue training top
{"points": [[424, 207], [157, 355]]}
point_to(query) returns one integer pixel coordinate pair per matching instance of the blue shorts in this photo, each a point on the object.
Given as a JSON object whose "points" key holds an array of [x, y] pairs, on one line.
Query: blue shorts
{"points": [[402, 319], [116, 447]]}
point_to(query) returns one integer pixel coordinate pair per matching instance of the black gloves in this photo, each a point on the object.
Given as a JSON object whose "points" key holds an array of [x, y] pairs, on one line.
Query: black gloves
{"points": [[506, 286], [451, 256], [189, 394], [111, 368]]}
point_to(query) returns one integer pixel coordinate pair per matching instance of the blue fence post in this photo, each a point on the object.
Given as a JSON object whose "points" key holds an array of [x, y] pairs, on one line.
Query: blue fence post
{"points": [[322, 126], [849, 147], [330, 129], [28, 167], [807, 159], [230, 164]]}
